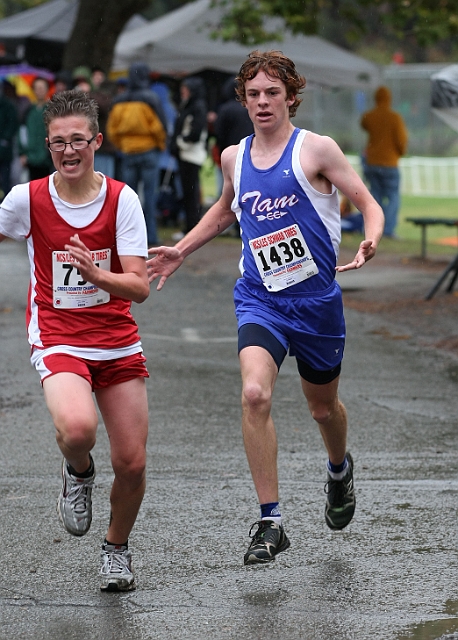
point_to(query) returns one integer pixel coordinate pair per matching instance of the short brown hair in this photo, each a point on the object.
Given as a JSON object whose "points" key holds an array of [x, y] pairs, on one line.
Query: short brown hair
{"points": [[72, 103], [276, 65]]}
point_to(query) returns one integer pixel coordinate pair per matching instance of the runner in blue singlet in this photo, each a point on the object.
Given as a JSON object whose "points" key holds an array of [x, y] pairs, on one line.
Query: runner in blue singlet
{"points": [[281, 185]]}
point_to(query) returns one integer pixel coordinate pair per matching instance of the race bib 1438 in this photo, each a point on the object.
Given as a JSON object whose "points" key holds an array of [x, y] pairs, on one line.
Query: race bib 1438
{"points": [[283, 258]]}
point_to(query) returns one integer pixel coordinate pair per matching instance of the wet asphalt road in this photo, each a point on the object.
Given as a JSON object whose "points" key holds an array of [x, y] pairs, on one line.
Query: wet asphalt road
{"points": [[392, 574]]}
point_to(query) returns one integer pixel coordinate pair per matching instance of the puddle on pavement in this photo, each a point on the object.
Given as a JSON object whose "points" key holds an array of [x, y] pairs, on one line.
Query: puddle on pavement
{"points": [[265, 598], [444, 629], [452, 371]]}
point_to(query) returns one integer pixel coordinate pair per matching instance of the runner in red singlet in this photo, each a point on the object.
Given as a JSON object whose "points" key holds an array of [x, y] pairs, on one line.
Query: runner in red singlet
{"points": [[86, 240]]}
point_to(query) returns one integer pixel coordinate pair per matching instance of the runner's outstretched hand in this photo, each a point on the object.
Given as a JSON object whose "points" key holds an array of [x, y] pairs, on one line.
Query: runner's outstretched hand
{"points": [[366, 251], [165, 261]]}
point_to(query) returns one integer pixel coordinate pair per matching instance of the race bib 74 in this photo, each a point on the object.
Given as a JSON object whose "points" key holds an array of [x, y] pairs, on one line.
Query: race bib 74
{"points": [[70, 290]]}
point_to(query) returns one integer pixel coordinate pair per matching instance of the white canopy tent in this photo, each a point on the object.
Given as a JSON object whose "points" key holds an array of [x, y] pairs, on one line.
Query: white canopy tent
{"points": [[180, 43], [39, 34], [51, 21], [444, 95]]}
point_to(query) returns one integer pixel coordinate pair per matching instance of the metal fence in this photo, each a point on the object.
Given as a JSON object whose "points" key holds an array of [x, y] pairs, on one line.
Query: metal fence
{"points": [[421, 176], [337, 113]]}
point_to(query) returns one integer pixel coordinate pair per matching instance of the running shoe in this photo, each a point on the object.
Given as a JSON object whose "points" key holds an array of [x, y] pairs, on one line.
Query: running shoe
{"points": [[341, 500], [116, 572], [269, 539], [74, 505]]}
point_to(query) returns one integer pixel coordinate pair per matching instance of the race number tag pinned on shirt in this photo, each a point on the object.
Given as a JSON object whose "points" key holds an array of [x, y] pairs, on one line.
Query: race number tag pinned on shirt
{"points": [[70, 291], [283, 258]]}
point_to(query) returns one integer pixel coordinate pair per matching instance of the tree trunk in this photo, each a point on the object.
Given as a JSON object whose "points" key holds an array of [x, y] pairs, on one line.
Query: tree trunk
{"points": [[97, 27]]}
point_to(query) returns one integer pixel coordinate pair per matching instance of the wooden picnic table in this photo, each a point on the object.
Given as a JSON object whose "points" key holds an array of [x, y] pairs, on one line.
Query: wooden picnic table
{"points": [[452, 267], [424, 223]]}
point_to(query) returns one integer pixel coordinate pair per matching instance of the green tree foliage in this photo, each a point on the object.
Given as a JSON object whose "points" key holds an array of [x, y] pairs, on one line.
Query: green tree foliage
{"points": [[413, 25], [10, 7], [425, 22]]}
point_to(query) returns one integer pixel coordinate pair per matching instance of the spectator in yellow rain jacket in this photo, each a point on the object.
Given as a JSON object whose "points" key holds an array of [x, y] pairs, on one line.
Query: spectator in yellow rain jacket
{"points": [[137, 128], [386, 144]]}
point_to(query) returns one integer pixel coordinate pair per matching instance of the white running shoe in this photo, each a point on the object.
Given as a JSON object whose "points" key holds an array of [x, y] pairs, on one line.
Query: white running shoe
{"points": [[116, 572], [74, 505]]}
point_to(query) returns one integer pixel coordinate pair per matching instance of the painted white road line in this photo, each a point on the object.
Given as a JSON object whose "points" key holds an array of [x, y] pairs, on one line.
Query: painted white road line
{"points": [[188, 335]]}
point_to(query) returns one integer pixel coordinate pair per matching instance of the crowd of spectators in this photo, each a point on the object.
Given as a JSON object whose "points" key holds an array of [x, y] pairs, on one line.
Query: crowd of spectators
{"points": [[156, 137], [148, 134]]}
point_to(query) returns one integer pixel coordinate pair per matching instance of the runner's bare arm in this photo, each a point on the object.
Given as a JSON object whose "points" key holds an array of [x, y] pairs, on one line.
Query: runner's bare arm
{"points": [[332, 164], [166, 260], [132, 284]]}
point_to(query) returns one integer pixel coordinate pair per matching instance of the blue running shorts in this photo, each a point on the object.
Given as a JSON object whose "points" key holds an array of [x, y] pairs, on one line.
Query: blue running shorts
{"points": [[310, 326]]}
